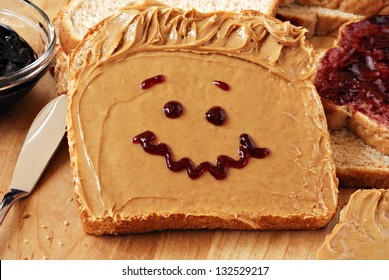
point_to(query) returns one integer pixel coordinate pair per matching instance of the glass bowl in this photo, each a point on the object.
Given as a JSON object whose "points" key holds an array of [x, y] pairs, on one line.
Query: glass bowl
{"points": [[35, 27]]}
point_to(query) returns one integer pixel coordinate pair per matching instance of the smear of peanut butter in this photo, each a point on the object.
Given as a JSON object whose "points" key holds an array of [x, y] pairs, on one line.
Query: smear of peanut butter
{"points": [[363, 229]]}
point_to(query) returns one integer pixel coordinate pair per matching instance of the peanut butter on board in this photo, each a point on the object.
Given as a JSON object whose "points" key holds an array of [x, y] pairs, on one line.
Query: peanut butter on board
{"points": [[363, 229], [267, 66]]}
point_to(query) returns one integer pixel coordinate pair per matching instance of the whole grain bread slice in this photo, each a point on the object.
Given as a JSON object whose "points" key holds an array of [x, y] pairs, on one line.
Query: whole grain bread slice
{"points": [[358, 165]]}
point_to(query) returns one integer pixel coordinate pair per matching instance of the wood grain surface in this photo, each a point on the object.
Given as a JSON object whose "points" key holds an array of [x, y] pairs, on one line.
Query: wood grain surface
{"points": [[46, 224]]}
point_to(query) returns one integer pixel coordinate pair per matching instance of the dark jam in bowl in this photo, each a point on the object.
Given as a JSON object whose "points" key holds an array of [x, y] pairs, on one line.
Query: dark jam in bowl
{"points": [[356, 72], [15, 52]]}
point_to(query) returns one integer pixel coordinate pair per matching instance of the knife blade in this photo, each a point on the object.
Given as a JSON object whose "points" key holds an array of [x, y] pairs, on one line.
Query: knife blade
{"points": [[42, 140]]}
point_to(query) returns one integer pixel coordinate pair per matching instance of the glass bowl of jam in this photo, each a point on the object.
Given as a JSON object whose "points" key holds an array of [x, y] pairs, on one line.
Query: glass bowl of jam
{"points": [[27, 43]]}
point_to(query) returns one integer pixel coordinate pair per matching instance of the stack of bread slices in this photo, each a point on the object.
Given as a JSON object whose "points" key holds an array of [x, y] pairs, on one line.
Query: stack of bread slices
{"points": [[358, 163]]}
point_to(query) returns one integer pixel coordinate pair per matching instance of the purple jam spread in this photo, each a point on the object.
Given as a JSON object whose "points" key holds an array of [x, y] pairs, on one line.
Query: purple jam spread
{"points": [[356, 72]]}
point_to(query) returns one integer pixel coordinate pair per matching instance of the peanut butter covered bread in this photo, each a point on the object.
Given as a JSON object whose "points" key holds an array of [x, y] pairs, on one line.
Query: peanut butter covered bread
{"points": [[180, 119]]}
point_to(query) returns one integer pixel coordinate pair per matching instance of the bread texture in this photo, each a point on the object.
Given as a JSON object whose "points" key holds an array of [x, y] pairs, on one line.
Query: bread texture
{"points": [[319, 21], [60, 70], [161, 199], [358, 7], [358, 165]]}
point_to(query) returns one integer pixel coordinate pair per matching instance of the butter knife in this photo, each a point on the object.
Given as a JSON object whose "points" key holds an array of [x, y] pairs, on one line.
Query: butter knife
{"points": [[42, 140]]}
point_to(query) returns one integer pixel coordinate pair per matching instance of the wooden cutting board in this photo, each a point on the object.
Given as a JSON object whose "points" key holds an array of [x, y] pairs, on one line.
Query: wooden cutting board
{"points": [[46, 225]]}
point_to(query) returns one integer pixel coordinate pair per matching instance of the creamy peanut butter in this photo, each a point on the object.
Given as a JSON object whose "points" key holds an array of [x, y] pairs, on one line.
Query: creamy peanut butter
{"points": [[363, 229], [267, 65]]}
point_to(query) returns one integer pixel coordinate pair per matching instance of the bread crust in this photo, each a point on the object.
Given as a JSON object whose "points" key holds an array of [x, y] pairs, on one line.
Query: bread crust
{"points": [[358, 165], [318, 21], [359, 7], [181, 221], [156, 222], [362, 177], [337, 116], [66, 34], [60, 70], [373, 133]]}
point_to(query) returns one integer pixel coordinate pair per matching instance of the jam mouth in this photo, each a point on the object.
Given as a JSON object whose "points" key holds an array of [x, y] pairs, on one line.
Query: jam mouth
{"points": [[246, 150]]}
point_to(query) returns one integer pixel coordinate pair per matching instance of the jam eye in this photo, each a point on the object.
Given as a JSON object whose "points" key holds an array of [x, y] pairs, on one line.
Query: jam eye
{"points": [[216, 115], [173, 109]]}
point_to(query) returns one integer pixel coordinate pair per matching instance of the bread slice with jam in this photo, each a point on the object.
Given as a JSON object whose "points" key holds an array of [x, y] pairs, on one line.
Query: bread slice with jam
{"points": [[353, 81], [360, 142]]}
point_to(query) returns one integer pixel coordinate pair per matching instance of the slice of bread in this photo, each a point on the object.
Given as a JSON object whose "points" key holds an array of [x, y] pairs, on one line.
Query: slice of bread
{"points": [[363, 230], [80, 15], [367, 119], [256, 68], [358, 165], [319, 21], [358, 7]]}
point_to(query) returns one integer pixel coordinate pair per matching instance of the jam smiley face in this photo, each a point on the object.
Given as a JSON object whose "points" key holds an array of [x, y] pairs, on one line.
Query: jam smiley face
{"points": [[217, 116]]}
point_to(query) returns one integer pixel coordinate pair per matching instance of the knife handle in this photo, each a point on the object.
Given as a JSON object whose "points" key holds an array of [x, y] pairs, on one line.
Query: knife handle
{"points": [[9, 199]]}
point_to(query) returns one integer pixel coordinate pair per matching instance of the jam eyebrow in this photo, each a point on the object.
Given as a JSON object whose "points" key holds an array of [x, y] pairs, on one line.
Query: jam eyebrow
{"points": [[222, 85], [148, 83]]}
